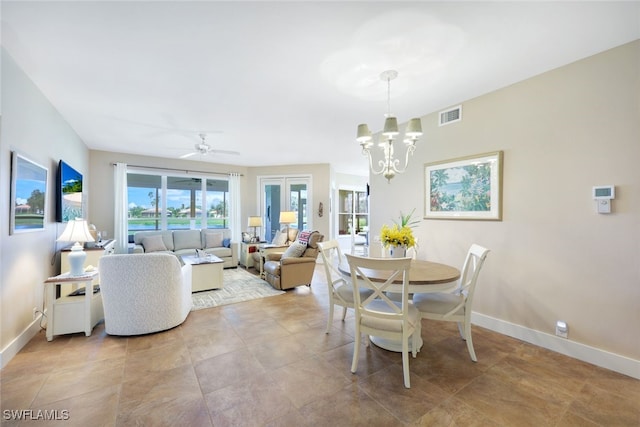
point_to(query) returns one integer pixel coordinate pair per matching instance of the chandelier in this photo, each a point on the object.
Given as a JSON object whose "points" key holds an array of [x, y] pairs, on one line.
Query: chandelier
{"points": [[389, 166]]}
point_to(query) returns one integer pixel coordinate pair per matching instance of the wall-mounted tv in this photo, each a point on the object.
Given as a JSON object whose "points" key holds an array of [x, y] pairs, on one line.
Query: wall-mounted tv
{"points": [[68, 193]]}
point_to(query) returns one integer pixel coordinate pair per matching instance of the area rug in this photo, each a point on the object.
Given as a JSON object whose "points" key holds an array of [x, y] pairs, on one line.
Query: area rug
{"points": [[239, 286]]}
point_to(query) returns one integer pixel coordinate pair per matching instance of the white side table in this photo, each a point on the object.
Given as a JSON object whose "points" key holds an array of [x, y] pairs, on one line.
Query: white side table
{"points": [[206, 273], [69, 314], [246, 253]]}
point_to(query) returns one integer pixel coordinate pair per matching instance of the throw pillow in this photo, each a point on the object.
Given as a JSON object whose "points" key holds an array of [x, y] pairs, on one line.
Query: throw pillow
{"points": [[213, 240], [303, 237], [226, 243], [295, 250], [153, 244], [280, 239]]}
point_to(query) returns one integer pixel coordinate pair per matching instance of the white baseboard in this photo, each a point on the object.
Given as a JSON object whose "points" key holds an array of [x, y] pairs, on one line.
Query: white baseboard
{"points": [[19, 342], [595, 356]]}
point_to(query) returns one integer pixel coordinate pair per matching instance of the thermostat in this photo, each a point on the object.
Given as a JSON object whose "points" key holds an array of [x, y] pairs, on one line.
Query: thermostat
{"points": [[603, 194]]}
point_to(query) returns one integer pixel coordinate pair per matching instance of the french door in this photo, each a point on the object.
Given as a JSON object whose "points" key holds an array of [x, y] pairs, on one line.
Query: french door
{"points": [[281, 194]]}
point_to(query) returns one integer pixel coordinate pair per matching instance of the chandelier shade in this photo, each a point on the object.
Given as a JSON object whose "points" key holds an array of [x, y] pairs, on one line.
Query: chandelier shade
{"points": [[389, 166]]}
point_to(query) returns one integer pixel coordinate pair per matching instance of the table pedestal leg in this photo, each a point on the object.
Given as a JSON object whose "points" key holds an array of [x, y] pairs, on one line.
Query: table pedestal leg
{"points": [[393, 345]]}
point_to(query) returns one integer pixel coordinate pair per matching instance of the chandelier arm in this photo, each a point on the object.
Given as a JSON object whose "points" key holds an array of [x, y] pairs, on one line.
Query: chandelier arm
{"points": [[410, 149], [367, 152]]}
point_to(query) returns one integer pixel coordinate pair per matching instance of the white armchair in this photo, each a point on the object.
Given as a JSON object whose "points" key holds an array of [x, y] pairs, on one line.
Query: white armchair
{"points": [[144, 293]]}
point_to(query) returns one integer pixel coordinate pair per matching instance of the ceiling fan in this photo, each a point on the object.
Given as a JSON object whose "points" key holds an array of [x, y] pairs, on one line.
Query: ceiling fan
{"points": [[203, 148]]}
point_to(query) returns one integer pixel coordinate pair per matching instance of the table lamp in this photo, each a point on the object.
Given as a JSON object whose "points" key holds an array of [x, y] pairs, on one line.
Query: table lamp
{"points": [[287, 218], [255, 221], [76, 231]]}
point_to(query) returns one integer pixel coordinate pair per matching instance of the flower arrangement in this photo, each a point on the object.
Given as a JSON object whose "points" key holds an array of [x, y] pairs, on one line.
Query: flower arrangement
{"points": [[400, 233]]}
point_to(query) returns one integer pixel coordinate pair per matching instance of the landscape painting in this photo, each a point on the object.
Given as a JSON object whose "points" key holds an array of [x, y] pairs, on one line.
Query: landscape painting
{"points": [[28, 195], [465, 188]]}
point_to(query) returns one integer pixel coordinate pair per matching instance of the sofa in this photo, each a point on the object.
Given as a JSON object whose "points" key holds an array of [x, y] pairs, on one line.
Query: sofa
{"points": [[185, 242], [142, 294], [295, 266]]}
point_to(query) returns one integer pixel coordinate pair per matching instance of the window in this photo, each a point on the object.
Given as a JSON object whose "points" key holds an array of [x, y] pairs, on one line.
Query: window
{"points": [[163, 202], [353, 213]]}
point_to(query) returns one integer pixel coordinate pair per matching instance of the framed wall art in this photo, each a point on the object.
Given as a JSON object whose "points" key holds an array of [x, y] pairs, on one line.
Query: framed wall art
{"points": [[465, 188], [28, 195]]}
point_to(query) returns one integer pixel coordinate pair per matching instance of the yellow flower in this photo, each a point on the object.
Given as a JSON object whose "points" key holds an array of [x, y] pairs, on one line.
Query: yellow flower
{"points": [[401, 233], [397, 236]]}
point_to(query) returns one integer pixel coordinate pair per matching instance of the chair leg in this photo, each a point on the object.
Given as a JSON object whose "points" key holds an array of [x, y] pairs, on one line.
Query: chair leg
{"points": [[356, 351], [330, 319], [472, 352], [414, 342], [344, 313], [405, 362], [461, 330]]}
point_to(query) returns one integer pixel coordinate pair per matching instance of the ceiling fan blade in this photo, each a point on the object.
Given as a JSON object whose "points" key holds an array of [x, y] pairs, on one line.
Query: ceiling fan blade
{"points": [[233, 153], [184, 156]]}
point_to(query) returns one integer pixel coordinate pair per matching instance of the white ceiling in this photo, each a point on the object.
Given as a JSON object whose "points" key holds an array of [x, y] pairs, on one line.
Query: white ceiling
{"points": [[286, 82]]}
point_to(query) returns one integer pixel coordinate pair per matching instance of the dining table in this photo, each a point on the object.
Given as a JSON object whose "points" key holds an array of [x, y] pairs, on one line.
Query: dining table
{"points": [[424, 277]]}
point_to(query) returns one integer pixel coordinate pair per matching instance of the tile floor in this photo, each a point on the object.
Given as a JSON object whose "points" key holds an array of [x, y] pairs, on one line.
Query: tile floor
{"points": [[268, 362]]}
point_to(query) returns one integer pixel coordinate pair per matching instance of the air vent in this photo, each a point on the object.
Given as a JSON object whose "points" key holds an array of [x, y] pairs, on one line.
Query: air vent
{"points": [[451, 115]]}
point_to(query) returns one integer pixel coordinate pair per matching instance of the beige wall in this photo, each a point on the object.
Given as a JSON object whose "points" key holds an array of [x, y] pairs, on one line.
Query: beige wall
{"points": [[321, 175], [31, 126], [552, 256]]}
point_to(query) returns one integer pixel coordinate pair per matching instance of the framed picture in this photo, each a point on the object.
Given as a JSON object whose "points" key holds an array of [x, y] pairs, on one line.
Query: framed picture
{"points": [[465, 188], [28, 195]]}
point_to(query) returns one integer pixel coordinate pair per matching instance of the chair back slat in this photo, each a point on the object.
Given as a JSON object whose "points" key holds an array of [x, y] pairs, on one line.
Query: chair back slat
{"points": [[471, 269], [332, 257], [388, 271]]}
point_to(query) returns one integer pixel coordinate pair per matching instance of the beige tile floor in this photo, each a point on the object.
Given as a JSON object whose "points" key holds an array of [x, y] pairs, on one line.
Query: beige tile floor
{"points": [[268, 362]]}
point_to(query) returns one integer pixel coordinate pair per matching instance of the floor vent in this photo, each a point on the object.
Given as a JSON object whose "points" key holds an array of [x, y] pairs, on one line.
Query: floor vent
{"points": [[451, 115]]}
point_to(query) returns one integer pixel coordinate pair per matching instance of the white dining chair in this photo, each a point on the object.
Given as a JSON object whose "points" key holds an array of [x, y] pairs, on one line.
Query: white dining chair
{"points": [[339, 287], [378, 315], [455, 306]]}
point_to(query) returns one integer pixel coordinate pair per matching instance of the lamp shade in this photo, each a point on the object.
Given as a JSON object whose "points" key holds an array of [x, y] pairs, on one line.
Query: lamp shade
{"points": [[287, 217], [77, 230], [414, 128], [390, 126], [364, 134], [255, 221]]}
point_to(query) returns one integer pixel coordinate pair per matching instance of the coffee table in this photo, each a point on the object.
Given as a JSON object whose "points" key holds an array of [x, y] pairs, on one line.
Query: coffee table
{"points": [[206, 272]]}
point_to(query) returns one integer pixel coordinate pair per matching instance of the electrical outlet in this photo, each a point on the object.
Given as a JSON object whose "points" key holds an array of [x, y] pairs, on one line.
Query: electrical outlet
{"points": [[35, 313], [562, 329]]}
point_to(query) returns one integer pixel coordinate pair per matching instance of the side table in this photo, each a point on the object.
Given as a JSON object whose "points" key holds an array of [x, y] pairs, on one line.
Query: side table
{"points": [[207, 272], [246, 253], [69, 314]]}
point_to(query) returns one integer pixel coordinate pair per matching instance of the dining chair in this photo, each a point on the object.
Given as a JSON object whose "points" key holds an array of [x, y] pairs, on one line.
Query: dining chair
{"points": [[378, 315], [455, 306], [339, 287]]}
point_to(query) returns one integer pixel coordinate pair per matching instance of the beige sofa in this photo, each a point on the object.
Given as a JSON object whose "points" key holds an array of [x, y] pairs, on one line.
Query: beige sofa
{"points": [[185, 242]]}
